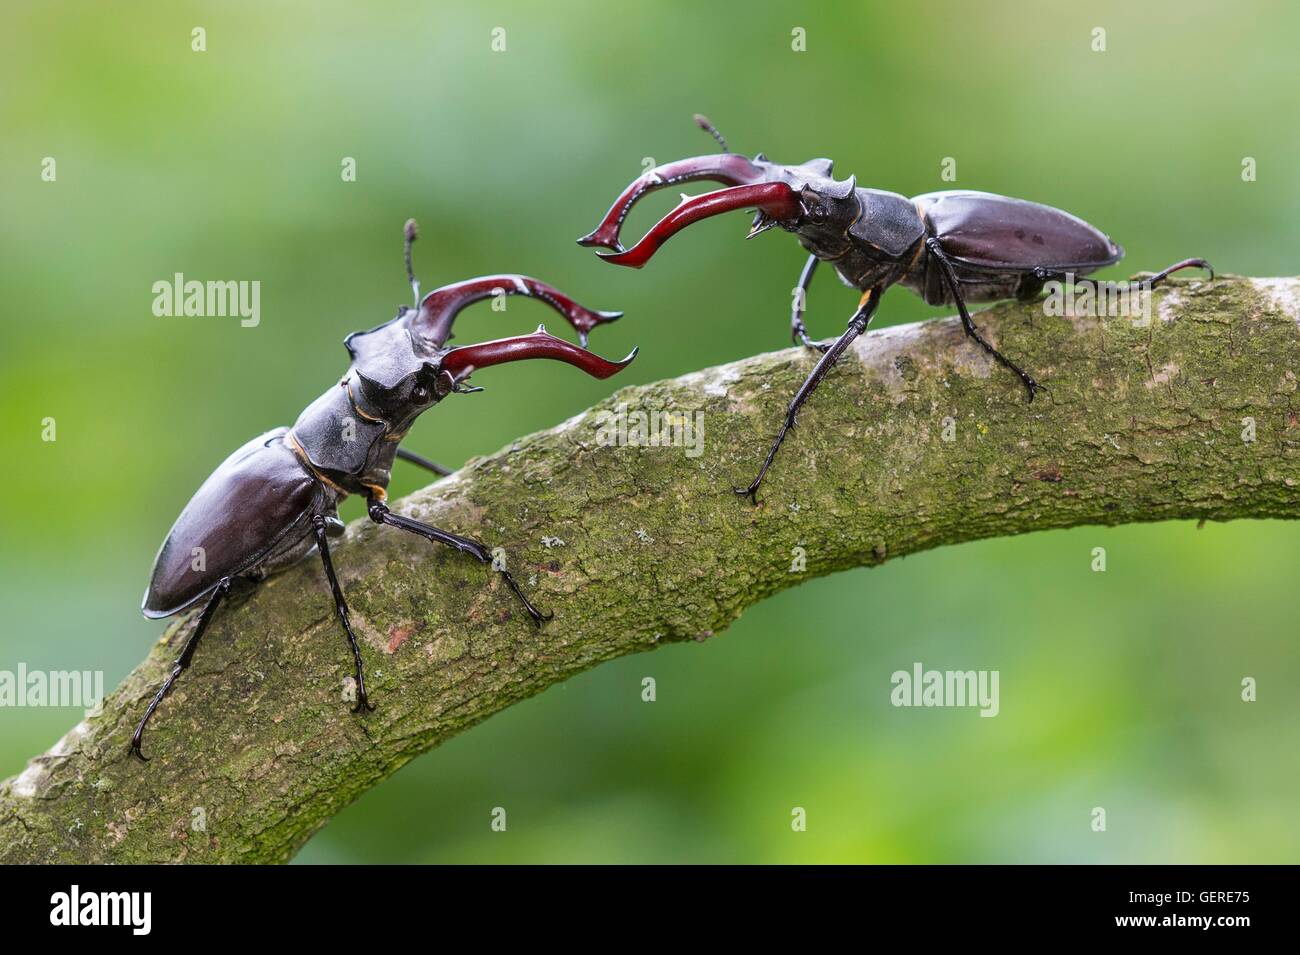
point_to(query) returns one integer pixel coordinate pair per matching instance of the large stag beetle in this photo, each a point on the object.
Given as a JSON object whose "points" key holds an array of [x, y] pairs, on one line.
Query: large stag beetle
{"points": [[275, 500], [950, 248]]}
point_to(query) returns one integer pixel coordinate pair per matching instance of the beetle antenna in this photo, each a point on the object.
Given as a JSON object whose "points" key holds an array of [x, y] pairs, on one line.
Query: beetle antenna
{"points": [[702, 121], [411, 232]]}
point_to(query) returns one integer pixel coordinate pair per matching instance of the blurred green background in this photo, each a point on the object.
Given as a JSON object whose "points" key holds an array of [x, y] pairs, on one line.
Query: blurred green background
{"points": [[1119, 689]]}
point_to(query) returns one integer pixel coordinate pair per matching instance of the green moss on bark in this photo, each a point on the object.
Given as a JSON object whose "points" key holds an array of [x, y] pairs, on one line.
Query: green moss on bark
{"points": [[646, 546]]}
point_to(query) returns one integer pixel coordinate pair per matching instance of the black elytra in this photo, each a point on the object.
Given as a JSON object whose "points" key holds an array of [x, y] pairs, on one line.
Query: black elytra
{"points": [[951, 248], [275, 500]]}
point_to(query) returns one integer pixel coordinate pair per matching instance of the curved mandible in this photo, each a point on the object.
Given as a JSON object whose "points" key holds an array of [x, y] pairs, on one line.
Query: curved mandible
{"points": [[730, 169], [461, 362], [440, 307], [775, 201]]}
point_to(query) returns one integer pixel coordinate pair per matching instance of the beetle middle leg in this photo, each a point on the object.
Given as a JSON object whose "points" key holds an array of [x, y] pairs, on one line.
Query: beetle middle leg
{"points": [[954, 287], [857, 325], [320, 524], [183, 661], [380, 514]]}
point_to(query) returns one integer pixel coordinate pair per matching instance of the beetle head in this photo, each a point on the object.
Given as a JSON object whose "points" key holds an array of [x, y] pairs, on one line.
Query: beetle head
{"points": [[401, 372], [404, 367], [827, 208], [803, 199], [397, 376]]}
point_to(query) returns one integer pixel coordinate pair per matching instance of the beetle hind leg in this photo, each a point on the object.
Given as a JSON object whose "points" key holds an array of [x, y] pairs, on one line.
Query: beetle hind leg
{"points": [[183, 661], [320, 525], [1178, 267], [380, 514], [1164, 273], [1151, 282]]}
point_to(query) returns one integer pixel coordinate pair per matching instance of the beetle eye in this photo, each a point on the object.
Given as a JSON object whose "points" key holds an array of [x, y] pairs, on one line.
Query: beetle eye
{"points": [[444, 384], [420, 394]]}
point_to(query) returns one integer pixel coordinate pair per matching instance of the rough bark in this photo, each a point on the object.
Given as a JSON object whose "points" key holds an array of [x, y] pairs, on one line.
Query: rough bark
{"points": [[635, 547]]}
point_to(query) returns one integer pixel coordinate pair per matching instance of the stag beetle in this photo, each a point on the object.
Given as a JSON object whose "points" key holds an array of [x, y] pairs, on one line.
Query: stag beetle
{"points": [[275, 500], [948, 247]]}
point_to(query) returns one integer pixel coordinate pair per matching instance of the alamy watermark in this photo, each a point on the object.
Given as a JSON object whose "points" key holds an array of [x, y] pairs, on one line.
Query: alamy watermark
{"points": [[1088, 299], [133, 910], [659, 429], [212, 299], [83, 689], [922, 687]]}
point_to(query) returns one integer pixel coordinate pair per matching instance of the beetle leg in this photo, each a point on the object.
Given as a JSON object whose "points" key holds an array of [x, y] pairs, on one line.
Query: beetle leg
{"points": [[425, 463], [799, 331], [950, 277], [1178, 267], [1101, 289], [183, 661], [1160, 276], [380, 514], [341, 609], [857, 325]]}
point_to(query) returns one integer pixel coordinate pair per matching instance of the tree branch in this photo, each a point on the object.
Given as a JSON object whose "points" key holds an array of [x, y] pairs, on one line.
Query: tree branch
{"points": [[634, 547]]}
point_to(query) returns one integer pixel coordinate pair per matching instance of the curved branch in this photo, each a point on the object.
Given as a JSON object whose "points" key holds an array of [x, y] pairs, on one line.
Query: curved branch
{"points": [[914, 441]]}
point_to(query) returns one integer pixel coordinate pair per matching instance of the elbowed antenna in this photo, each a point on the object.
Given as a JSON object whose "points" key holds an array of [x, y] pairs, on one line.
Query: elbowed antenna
{"points": [[703, 122], [411, 232]]}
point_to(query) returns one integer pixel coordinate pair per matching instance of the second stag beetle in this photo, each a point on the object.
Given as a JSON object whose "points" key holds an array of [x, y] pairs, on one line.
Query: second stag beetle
{"points": [[275, 500], [950, 247]]}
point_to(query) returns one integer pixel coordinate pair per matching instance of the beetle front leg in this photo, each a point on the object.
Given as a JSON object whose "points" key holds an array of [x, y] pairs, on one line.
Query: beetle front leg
{"points": [[380, 514], [183, 661], [954, 287], [857, 325], [798, 331], [319, 525]]}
